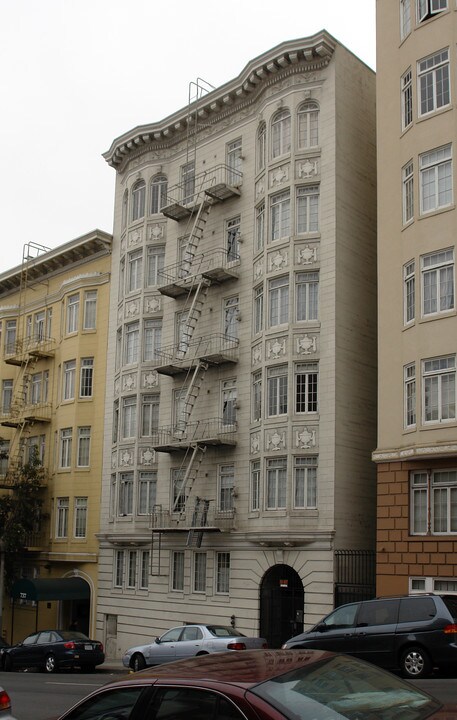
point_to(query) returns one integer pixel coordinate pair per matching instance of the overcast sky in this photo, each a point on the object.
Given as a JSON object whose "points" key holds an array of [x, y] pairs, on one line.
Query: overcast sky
{"points": [[76, 74]]}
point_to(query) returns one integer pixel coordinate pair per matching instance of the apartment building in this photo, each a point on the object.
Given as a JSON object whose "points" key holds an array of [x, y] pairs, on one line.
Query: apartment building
{"points": [[241, 370], [416, 454], [54, 332]]}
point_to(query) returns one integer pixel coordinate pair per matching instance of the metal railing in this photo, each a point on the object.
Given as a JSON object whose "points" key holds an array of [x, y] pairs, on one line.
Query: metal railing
{"points": [[185, 433], [188, 192], [165, 519], [30, 345], [200, 264], [206, 346]]}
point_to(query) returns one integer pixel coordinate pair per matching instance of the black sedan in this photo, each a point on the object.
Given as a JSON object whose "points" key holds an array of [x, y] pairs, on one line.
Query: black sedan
{"points": [[51, 650]]}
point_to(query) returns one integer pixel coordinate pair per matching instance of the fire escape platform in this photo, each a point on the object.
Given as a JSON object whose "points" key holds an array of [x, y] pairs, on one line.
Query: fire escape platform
{"points": [[222, 191], [212, 432]]}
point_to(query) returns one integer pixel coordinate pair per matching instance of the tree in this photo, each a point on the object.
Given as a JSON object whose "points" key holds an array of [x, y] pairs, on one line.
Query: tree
{"points": [[20, 511]]}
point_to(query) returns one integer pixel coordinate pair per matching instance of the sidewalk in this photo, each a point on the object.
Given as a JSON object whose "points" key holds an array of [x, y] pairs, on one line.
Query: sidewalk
{"points": [[113, 666]]}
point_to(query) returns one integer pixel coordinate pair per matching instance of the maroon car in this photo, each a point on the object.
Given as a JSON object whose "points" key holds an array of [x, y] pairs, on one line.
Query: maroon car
{"points": [[260, 685]]}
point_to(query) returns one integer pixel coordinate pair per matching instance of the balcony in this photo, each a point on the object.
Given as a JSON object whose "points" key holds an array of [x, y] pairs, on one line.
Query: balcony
{"points": [[17, 415], [211, 349], [38, 347], [216, 265], [201, 432], [214, 521], [219, 183]]}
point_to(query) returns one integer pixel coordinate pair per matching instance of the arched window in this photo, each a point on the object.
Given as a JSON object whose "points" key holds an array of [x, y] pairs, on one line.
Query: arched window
{"points": [[280, 133], [138, 197], [308, 125], [125, 201], [159, 188], [261, 139]]}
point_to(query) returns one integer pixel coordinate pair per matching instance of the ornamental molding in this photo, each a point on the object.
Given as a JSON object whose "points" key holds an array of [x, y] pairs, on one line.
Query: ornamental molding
{"points": [[157, 231], [255, 443], [307, 169], [305, 438], [278, 260], [152, 304], [126, 457], [306, 255], [275, 440], [149, 379], [276, 348], [279, 175], [413, 453], [257, 354], [146, 456], [306, 344], [135, 237], [132, 308], [129, 382], [258, 269]]}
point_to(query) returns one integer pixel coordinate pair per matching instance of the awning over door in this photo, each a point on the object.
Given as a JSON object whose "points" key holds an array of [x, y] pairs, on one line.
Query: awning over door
{"points": [[73, 588]]}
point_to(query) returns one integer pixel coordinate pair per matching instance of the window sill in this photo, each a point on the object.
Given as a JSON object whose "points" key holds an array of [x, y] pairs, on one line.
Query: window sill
{"points": [[435, 211]]}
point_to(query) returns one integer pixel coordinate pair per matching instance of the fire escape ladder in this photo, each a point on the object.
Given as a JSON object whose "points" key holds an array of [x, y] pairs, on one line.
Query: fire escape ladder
{"points": [[193, 315], [193, 391], [192, 467], [199, 520], [195, 236]]}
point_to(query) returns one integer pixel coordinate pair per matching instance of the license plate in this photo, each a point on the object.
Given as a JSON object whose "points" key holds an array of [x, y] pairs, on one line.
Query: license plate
{"points": [[88, 647]]}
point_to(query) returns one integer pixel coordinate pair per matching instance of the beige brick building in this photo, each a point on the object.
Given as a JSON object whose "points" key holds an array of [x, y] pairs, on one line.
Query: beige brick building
{"points": [[241, 370], [417, 448]]}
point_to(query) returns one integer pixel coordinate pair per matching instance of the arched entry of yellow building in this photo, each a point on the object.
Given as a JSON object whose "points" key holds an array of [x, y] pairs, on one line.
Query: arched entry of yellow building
{"points": [[282, 599]]}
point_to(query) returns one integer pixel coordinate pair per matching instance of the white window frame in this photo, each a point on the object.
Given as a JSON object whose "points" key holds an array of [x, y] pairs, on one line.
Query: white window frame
{"points": [[433, 83], [199, 572], [438, 380], [222, 573], [438, 283], [261, 146], [155, 265], [257, 307], [159, 193], [125, 496], [7, 395], [305, 482], [308, 125], [307, 296], [152, 340], [436, 169], [231, 316], [80, 526], [307, 209], [90, 310], [229, 402], [408, 192], [84, 445], [144, 569], [131, 342], [259, 227], [406, 99], [234, 160], [409, 292], [132, 568], [277, 390], [147, 491], [254, 494], [278, 301], [135, 271], [226, 486], [233, 234], [119, 568], [280, 216], [177, 571], [138, 200], [281, 133], [276, 483], [405, 18], [149, 414], [66, 442], [62, 511], [72, 323], [426, 9], [409, 376], [257, 396], [306, 384], [69, 380], [86, 377], [129, 417]]}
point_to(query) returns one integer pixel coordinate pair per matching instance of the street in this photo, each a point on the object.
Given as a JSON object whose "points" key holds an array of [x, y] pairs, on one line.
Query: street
{"points": [[36, 696]]}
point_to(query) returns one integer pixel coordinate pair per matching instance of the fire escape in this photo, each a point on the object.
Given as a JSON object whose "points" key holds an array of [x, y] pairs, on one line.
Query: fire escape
{"points": [[189, 281]]}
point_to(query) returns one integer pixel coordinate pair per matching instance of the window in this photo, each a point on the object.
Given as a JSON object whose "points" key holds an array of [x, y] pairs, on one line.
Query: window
{"points": [[308, 125], [234, 162], [257, 396], [159, 190], [223, 573], [45, 385], [226, 486], [276, 483], [258, 309], [436, 179], [152, 340], [135, 270], [62, 517], [10, 337], [231, 316], [129, 417], [121, 279], [69, 374], [232, 230], [261, 146], [144, 569], [131, 568], [156, 259], [188, 181], [308, 209], [126, 494], [147, 488], [409, 286], [84, 434], [4, 455], [405, 18], [259, 226], [138, 199], [408, 192], [438, 377], [278, 301], [80, 517], [433, 82], [66, 438], [35, 388], [149, 415], [306, 375], [39, 326], [280, 216], [434, 501], [177, 577], [178, 490], [86, 377], [115, 421], [119, 556], [277, 390], [437, 282], [305, 482], [200, 572], [280, 133], [125, 202], [72, 313], [90, 310], [306, 295], [410, 395], [255, 486], [7, 395], [407, 99], [229, 401], [131, 343], [428, 8]]}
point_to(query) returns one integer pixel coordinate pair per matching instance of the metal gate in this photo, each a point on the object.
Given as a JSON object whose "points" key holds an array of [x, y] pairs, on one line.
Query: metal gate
{"points": [[355, 573]]}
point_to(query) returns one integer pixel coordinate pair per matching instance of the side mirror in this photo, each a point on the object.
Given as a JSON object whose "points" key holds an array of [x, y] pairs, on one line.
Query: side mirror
{"points": [[157, 640], [322, 627]]}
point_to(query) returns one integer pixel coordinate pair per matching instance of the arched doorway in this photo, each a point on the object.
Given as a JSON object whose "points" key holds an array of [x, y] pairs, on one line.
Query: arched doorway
{"points": [[282, 601]]}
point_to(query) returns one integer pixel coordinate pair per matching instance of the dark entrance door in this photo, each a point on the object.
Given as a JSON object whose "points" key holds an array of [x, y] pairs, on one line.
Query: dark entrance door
{"points": [[282, 600]]}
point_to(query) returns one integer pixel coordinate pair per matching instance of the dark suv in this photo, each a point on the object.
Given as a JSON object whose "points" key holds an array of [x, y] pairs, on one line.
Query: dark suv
{"points": [[413, 633]]}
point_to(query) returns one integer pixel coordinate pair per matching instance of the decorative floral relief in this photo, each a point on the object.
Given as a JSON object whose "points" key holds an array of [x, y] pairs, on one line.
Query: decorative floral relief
{"points": [[126, 457], [257, 354], [255, 443], [132, 308], [258, 270], [276, 348], [306, 255], [276, 440], [306, 345], [279, 176], [135, 236], [307, 169], [147, 456], [278, 260], [153, 304], [157, 231], [129, 382], [305, 438], [150, 379]]}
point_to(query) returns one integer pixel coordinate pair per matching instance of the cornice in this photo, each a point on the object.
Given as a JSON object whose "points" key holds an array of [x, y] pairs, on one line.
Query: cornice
{"points": [[415, 453], [310, 53]]}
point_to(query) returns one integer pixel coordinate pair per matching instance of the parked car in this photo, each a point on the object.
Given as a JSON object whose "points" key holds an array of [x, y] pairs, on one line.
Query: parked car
{"points": [[5, 705], [51, 650], [186, 641], [260, 685], [412, 633], [3, 646]]}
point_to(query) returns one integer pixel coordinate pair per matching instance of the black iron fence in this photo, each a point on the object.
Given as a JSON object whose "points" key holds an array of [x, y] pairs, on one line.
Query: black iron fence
{"points": [[355, 576]]}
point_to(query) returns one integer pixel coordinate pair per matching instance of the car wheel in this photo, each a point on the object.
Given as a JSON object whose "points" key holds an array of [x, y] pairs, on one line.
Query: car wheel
{"points": [[138, 662], [7, 664], [50, 664], [415, 663]]}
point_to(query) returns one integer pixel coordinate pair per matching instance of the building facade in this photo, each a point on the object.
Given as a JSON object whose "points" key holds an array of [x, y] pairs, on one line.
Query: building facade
{"points": [[53, 320], [416, 454], [241, 370]]}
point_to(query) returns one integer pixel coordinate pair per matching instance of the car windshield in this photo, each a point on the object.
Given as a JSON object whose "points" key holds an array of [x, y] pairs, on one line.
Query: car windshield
{"points": [[340, 687], [221, 631], [72, 635]]}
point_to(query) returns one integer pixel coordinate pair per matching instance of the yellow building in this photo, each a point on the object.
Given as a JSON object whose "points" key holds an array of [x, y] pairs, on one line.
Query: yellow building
{"points": [[53, 323]]}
